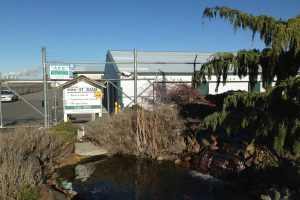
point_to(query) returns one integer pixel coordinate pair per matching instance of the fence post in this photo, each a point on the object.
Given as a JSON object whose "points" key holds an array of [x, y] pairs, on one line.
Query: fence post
{"points": [[135, 76], [45, 87], [107, 97], [194, 74]]}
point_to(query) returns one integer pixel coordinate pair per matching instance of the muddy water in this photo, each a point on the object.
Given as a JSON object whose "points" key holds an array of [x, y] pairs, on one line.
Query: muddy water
{"points": [[125, 177]]}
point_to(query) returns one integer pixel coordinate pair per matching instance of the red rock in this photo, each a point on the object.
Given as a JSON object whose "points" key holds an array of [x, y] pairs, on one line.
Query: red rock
{"points": [[47, 193], [187, 158], [177, 161]]}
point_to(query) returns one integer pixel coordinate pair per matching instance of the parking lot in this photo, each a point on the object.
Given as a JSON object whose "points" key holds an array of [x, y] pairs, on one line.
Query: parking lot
{"points": [[28, 110]]}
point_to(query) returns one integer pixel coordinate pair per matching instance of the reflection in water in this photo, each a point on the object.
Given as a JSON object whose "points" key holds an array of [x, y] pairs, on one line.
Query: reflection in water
{"points": [[206, 178], [125, 177], [82, 172]]}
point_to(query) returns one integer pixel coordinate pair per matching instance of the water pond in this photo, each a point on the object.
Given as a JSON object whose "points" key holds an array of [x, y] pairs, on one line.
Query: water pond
{"points": [[125, 177]]}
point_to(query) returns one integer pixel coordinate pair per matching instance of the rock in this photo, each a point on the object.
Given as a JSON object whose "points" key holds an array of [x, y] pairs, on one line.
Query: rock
{"points": [[248, 162], [88, 149], [186, 158], [189, 148], [256, 162], [264, 158], [83, 172], [186, 164], [66, 185], [205, 142], [246, 154], [70, 160], [214, 161], [196, 148], [47, 193], [177, 161], [36, 169], [260, 156], [53, 182], [68, 149], [176, 132], [160, 158], [265, 197], [213, 145], [274, 194]]}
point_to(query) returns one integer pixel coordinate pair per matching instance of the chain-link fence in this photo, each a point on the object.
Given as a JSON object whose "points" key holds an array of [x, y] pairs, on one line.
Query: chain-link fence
{"points": [[134, 77], [22, 104], [129, 77]]}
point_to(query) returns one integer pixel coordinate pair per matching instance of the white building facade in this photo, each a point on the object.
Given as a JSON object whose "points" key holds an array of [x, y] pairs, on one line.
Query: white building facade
{"points": [[159, 67]]}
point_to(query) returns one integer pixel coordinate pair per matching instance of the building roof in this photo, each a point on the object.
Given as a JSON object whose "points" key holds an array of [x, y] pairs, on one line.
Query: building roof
{"points": [[158, 62], [89, 68], [84, 79]]}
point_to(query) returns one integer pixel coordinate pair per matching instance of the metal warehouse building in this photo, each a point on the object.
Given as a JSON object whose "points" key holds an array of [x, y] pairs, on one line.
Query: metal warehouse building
{"points": [[93, 71], [158, 67]]}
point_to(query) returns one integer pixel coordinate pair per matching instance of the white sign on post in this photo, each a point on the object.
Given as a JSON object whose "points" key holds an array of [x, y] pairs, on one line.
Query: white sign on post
{"points": [[59, 72], [82, 98]]}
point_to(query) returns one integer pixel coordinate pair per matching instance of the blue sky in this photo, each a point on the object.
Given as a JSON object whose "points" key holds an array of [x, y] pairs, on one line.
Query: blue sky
{"points": [[86, 29]]}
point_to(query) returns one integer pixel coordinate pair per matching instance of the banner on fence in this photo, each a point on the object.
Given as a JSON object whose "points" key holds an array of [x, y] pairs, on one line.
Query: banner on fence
{"points": [[60, 72]]}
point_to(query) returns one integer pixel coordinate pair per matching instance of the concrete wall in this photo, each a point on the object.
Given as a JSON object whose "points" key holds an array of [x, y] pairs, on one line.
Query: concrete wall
{"points": [[22, 89]]}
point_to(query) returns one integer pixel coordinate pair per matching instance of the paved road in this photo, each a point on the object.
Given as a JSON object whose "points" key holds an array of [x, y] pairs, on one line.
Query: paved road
{"points": [[20, 113]]}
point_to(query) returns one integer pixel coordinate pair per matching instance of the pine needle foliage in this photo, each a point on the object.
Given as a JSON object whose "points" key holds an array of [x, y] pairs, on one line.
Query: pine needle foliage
{"points": [[220, 64], [280, 58], [272, 116], [279, 35]]}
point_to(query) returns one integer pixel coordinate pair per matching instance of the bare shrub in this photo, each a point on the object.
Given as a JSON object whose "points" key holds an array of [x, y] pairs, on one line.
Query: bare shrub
{"points": [[159, 131], [140, 132], [114, 133], [16, 170], [45, 145], [25, 155], [178, 93]]}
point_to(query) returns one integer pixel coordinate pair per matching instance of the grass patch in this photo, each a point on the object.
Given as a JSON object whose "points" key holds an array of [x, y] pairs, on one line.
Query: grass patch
{"points": [[29, 192], [66, 131]]}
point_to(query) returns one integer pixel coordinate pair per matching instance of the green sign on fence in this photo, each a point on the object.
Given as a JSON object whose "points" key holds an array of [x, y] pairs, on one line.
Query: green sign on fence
{"points": [[59, 72]]}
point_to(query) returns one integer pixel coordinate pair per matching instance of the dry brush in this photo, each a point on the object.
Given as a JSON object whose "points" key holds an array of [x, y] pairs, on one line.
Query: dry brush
{"points": [[26, 156], [140, 132]]}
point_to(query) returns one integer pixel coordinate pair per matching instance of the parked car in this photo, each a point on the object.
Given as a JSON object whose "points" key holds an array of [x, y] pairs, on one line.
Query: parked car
{"points": [[8, 96]]}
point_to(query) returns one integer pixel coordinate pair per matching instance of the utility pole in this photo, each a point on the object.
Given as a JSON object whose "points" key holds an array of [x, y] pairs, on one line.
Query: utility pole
{"points": [[135, 75], [45, 87]]}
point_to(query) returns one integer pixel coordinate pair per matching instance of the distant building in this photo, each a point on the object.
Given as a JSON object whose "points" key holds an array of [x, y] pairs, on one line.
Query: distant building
{"points": [[153, 68], [10, 76], [158, 67], [90, 70]]}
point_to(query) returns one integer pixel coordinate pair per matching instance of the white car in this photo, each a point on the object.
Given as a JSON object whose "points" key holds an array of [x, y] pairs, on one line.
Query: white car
{"points": [[8, 96]]}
